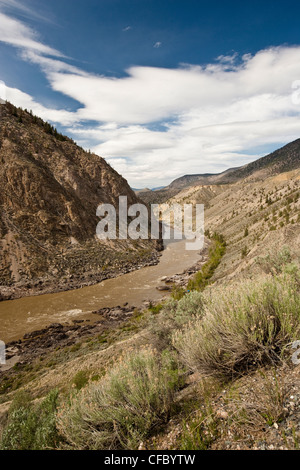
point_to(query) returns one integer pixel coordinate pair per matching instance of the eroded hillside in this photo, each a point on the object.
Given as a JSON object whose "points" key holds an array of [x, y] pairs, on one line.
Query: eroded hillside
{"points": [[254, 216], [50, 190]]}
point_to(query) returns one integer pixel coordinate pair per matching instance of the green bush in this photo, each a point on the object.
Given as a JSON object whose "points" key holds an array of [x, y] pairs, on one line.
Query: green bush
{"points": [[178, 292], [31, 427], [122, 409], [188, 307], [175, 315], [275, 262], [155, 309], [244, 326], [81, 379], [215, 255]]}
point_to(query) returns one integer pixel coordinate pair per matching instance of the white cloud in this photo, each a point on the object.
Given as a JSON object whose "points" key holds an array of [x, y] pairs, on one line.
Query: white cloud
{"points": [[157, 45], [155, 124], [25, 101], [213, 116], [50, 65], [24, 10], [17, 34], [258, 87]]}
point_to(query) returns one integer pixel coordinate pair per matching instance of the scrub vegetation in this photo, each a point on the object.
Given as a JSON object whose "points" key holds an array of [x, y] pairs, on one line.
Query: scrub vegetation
{"points": [[221, 335]]}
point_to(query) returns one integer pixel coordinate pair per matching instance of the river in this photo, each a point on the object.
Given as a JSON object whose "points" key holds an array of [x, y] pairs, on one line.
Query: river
{"points": [[28, 314]]}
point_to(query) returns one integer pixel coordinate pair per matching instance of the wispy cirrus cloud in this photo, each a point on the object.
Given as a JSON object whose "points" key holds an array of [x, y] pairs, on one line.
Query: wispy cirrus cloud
{"points": [[23, 9], [16, 33], [16, 6]]}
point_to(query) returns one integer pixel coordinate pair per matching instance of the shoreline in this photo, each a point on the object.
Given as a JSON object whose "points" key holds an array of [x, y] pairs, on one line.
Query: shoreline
{"points": [[59, 335], [38, 287]]}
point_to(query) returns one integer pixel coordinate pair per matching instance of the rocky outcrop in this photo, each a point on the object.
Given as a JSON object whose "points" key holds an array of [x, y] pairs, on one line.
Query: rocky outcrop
{"points": [[50, 190]]}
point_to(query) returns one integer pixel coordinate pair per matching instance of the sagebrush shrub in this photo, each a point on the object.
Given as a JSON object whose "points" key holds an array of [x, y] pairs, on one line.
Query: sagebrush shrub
{"points": [[243, 326], [30, 426], [174, 315], [121, 410]]}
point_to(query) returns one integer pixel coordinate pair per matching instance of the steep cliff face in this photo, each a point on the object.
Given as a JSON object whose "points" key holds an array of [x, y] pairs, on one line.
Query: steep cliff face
{"points": [[50, 190]]}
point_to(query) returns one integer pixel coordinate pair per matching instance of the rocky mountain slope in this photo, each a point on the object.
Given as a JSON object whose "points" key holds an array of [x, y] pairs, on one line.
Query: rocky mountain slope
{"points": [[282, 160], [206, 179], [285, 159], [248, 313], [255, 217], [50, 190], [256, 207]]}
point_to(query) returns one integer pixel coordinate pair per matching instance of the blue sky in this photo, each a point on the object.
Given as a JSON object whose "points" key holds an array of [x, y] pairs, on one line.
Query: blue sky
{"points": [[158, 88]]}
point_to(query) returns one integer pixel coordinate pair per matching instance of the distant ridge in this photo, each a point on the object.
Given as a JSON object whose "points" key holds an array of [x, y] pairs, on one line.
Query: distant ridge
{"points": [[285, 159], [205, 179], [282, 160]]}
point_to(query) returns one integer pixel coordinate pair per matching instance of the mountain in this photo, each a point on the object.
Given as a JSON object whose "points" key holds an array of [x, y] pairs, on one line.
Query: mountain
{"points": [[258, 212], [205, 179], [50, 190], [285, 159], [138, 191]]}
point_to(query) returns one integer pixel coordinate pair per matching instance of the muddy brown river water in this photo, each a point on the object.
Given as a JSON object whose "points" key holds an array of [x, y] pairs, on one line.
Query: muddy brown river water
{"points": [[28, 314]]}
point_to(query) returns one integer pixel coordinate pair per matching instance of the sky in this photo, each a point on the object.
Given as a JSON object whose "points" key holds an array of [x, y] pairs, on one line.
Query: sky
{"points": [[159, 88]]}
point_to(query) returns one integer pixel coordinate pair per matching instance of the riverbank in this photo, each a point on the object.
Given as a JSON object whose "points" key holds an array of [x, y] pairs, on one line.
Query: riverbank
{"points": [[73, 282], [238, 401], [33, 313], [38, 343]]}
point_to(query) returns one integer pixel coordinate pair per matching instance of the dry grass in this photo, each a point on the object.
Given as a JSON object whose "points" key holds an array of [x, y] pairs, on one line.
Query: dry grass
{"points": [[244, 326], [122, 409]]}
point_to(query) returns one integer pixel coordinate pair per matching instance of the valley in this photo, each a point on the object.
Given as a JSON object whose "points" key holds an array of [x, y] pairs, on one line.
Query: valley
{"points": [[51, 189], [207, 324], [149, 229]]}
